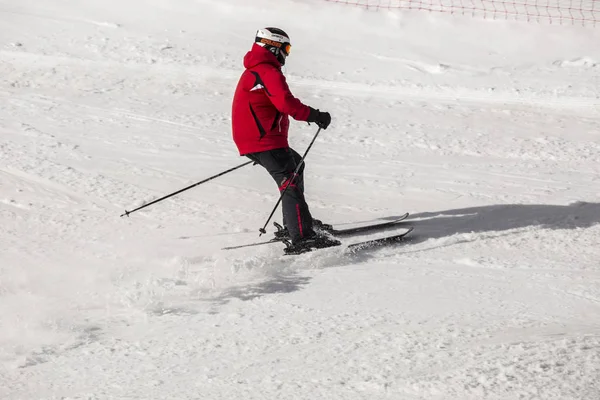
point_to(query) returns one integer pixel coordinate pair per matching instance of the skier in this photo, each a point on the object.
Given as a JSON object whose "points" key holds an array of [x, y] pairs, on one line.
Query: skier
{"points": [[261, 106]]}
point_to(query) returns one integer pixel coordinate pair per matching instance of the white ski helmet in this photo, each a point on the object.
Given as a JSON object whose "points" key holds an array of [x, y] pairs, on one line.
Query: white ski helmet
{"points": [[276, 41]]}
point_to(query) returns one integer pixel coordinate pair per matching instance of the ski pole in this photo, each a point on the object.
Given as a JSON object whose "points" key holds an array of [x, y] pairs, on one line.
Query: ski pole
{"points": [[186, 188], [263, 229]]}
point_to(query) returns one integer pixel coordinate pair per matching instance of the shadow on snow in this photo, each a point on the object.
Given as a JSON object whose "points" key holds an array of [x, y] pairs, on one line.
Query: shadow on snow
{"points": [[278, 284], [498, 218], [435, 225]]}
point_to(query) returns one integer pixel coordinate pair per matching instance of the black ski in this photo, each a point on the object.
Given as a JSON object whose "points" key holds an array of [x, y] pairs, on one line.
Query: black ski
{"points": [[372, 243], [367, 228], [281, 233], [333, 232], [353, 247], [365, 245]]}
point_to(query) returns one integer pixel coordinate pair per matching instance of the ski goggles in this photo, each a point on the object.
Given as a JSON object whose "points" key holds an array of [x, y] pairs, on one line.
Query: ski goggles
{"points": [[285, 47]]}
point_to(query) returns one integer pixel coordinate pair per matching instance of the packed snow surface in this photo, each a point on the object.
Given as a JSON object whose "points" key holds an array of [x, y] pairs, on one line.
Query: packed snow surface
{"points": [[487, 132]]}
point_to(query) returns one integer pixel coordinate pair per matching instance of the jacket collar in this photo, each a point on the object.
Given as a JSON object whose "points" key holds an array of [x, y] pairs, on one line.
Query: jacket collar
{"points": [[260, 55]]}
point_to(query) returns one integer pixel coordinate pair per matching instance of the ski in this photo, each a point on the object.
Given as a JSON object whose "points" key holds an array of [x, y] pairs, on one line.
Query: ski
{"points": [[281, 233], [274, 240], [334, 232], [353, 247], [364, 245], [367, 228], [372, 243]]}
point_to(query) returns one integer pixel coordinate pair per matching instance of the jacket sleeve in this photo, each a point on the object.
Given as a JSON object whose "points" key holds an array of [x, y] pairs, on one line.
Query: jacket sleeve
{"points": [[282, 98]]}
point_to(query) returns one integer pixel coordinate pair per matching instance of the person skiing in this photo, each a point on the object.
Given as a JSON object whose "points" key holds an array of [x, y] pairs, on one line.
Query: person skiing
{"points": [[261, 107]]}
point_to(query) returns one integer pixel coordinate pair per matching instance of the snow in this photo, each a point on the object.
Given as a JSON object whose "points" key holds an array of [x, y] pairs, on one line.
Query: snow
{"points": [[487, 132]]}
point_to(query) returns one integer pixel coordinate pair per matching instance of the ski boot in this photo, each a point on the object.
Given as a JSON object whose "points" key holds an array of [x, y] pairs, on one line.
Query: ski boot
{"points": [[281, 233], [317, 241], [318, 226]]}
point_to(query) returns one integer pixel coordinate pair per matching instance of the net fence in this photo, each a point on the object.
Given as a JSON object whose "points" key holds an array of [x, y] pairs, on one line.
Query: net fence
{"points": [[583, 12]]}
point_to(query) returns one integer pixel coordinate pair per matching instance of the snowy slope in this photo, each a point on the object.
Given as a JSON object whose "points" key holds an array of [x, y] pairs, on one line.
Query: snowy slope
{"points": [[488, 132]]}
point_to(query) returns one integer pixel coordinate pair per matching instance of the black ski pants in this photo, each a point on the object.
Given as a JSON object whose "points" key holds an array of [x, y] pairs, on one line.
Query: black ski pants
{"points": [[281, 164]]}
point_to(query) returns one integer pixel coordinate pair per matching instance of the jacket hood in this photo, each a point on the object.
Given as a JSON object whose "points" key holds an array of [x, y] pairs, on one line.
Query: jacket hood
{"points": [[260, 55]]}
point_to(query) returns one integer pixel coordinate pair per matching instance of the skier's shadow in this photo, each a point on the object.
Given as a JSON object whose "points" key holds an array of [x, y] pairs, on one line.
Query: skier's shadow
{"points": [[436, 225], [498, 218]]}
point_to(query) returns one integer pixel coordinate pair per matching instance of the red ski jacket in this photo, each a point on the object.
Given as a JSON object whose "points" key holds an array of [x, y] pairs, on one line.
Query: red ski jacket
{"points": [[262, 103]]}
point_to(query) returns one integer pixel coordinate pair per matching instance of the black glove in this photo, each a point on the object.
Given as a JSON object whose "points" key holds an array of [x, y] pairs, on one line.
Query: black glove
{"points": [[322, 119]]}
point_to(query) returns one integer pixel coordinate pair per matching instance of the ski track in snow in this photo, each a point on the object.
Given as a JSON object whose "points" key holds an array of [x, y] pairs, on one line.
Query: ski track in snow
{"points": [[492, 147]]}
